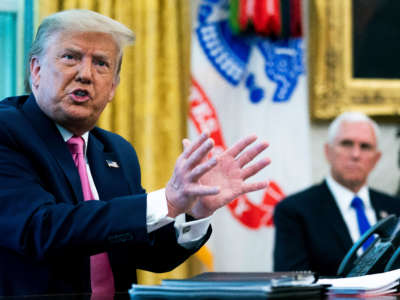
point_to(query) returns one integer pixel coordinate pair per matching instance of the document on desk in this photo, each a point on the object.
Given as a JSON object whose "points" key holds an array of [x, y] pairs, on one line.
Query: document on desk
{"points": [[234, 285], [374, 284]]}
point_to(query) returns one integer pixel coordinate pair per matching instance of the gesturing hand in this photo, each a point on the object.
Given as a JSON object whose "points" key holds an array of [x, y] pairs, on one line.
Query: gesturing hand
{"points": [[183, 189], [229, 175]]}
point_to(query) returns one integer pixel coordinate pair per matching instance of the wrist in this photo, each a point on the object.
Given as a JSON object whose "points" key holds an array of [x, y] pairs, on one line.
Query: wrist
{"points": [[171, 196], [172, 211], [199, 212]]}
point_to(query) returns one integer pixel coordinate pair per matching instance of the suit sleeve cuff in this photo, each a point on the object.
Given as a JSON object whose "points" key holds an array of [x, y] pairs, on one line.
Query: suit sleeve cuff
{"points": [[190, 234]]}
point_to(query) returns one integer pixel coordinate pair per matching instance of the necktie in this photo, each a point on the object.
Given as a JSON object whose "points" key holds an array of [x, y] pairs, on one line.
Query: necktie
{"points": [[363, 224], [101, 276]]}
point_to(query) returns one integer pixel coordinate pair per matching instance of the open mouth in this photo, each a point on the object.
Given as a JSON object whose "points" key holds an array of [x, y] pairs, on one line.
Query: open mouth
{"points": [[80, 95]]}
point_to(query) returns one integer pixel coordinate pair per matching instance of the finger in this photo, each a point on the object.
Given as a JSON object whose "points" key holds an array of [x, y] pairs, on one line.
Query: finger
{"points": [[198, 190], [186, 143], [251, 187], [250, 154], [197, 156], [240, 145], [255, 168], [201, 169], [195, 145]]}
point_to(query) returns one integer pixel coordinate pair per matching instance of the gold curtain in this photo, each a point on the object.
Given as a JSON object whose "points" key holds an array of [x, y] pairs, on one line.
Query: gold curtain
{"points": [[150, 105]]}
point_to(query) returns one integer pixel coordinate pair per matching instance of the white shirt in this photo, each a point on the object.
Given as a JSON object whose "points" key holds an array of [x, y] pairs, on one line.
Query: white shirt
{"points": [[189, 233], [343, 198]]}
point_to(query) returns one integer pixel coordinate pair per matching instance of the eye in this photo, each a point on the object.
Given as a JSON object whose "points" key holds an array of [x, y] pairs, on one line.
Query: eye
{"points": [[68, 56], [366, 146], [346, 143], [101, 63]]}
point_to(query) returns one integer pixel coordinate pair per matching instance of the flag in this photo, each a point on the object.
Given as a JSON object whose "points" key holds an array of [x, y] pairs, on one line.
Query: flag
{"points": [[274, 18], [243, 85]]}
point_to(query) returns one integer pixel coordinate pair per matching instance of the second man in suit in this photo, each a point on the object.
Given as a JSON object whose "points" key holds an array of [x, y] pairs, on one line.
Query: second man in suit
{"points": [[315, 228]]}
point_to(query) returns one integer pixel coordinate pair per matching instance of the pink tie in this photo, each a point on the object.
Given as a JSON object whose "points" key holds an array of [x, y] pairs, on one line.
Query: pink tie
{"points": [[101, 276]]}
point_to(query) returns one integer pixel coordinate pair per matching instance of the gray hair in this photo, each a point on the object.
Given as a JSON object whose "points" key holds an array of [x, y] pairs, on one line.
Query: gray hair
{"points": [[350, 117], [77, 20]]}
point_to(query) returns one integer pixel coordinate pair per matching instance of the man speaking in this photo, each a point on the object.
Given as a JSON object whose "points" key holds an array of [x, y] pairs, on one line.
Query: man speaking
{"points": [[74, 217]]}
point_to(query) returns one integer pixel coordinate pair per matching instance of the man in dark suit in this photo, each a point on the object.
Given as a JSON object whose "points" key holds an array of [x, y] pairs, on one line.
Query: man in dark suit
{"points": [[73, 214], [315, 228]]}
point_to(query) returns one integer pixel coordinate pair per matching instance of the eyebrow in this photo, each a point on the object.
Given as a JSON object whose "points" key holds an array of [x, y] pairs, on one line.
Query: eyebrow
{"points": [[102, 57], [98, 56], [75, 50], [350, 141]]}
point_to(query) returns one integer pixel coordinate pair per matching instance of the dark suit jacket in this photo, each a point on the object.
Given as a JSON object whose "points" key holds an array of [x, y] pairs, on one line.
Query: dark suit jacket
{"points": [[47, 231], [311, 233]]}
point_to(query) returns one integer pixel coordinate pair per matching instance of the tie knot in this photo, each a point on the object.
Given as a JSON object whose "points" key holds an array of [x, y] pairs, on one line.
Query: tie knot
{"points": [[357, 203], [75, 145]]}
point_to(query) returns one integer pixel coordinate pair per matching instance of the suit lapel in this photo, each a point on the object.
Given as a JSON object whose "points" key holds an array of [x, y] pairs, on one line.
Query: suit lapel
{"points": [[109, 180], [380, 211], [53, 144], [332, 215]]}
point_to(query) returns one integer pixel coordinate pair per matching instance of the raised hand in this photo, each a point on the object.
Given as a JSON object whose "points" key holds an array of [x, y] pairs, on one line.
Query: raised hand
{"points": [[229, 175], [184, 188]]}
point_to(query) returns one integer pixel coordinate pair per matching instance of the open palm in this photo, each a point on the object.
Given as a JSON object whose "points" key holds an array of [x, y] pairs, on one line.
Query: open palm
{"points": [[229, 175]]}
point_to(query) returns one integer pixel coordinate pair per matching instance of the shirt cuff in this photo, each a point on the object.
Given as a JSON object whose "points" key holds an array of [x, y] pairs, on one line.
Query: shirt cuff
{"points": [[157, 210], [189, 234]]}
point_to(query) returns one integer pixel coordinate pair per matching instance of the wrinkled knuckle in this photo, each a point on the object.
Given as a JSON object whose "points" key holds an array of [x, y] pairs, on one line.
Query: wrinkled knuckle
{"points": [[179, 174], [186, 191], [180, 159], [190, 177], [196, 172], [177, 167]]}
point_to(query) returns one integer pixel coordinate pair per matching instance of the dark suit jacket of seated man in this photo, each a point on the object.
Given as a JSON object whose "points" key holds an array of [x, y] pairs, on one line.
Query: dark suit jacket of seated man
{"points": [[315, 228], [48, 233]]}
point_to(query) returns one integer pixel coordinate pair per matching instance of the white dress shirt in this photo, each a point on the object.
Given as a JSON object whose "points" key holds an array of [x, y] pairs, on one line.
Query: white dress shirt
{"points": [[343, 198], [189, 233]]}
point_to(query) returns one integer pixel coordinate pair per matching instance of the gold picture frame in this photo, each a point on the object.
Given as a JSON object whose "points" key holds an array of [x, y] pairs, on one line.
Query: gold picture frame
{"points": [[332, 87]]}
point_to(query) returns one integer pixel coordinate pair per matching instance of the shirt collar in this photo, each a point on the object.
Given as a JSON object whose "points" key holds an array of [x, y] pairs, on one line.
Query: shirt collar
{"points": [[344, 196], [67, 135]]}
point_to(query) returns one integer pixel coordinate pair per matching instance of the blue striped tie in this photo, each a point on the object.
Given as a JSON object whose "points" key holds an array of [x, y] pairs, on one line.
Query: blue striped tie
{"points": [[363, 224]]}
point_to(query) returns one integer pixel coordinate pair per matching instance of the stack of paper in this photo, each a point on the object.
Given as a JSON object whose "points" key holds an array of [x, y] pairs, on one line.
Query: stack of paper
{"points": [[367, 285], [234, 286]]}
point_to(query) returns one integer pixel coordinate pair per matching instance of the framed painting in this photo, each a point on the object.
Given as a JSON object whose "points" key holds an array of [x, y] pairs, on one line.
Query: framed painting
{"points": [[354, 57]]}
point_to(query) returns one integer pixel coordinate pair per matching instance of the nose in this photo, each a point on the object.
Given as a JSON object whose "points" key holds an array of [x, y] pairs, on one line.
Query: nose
{"points": [[356, 151], [84, 72]]}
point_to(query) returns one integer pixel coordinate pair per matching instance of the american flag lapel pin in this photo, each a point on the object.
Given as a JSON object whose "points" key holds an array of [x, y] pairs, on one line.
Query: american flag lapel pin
{"points": [[112, 164], [383, 214]]}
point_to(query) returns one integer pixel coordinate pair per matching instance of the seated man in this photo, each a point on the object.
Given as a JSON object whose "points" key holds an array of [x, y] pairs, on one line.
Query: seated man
{"points": [[74, 217], [315, 228]]}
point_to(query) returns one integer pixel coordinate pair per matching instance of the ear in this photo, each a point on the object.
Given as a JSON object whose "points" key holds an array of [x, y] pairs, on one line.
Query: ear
{"points": [[328, 151], [377, 157], [35, 72], [113, 88]]}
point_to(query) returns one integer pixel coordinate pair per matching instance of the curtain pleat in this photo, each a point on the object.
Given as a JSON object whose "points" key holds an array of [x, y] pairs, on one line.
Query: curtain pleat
{"points": [[107, 8]]}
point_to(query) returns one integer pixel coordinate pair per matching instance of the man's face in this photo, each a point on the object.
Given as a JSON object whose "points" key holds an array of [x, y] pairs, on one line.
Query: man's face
{"points": [[75, 78], [353, 154]]}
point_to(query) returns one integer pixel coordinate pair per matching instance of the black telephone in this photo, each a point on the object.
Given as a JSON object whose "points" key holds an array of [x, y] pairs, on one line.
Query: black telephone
{"points": [[381, 256]]}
